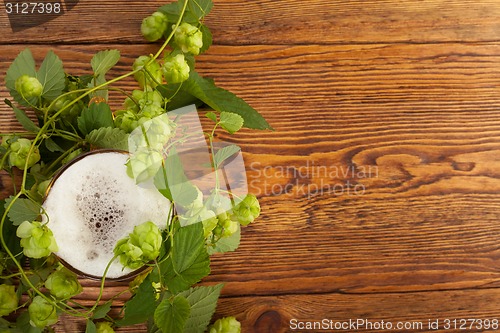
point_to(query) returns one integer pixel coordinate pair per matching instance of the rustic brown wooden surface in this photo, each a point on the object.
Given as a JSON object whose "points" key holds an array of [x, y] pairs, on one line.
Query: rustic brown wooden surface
{"points": [[380, 187]]}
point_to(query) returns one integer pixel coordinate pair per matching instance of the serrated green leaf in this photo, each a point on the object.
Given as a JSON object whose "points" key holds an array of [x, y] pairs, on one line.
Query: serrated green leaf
{"points": [[90, 327], [206, 38], [231, 122], [176, 98], [142, 305], [172, 11], [200, 8], [108, 137], [226, 244], [23, 119], [23, 64], [181, 190], [97, 115], [13, 243], [51, 76], [203, 301], [224, 153], [52, 146], [95, 82], [211, 115], [171, 315], [22, 210], [23, 323], [189, 261], [102, 310], [222, 100], [103, 61], [26, 122]]}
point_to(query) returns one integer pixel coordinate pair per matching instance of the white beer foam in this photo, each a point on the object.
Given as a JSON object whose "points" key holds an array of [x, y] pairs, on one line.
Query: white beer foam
{"points": [[93, 204]]}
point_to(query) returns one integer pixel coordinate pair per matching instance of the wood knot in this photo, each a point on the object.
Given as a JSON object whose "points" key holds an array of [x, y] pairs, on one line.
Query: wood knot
{"points": [[463, 166], [269, 321]]}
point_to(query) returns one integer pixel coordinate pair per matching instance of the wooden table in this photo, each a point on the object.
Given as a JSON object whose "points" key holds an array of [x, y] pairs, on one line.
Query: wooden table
{"points": [[380, 184]]}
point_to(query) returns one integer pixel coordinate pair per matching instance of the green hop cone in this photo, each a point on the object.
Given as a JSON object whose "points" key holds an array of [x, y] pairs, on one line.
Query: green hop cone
{"points": [[143, 78], [151, 104], [229, 227], [148, 237], [63, 284], [175, 68], [225, 325], [42, 313], [126, 120], [28, 86], [188, 38], [131, 103], [104, 327], [129, 254], [140, 247], [37, 240], [143, 164], [8, 299], [19, 154], [154, 134], [69, 113], [153, 27], [247, 210]]}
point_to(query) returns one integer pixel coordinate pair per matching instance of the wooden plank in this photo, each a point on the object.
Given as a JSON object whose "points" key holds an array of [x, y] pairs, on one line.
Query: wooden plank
{"points": [[239, 22], [421, 121], [417, 310]]}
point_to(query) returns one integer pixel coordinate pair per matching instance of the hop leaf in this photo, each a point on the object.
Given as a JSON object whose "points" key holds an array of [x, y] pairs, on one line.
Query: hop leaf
{"points": [[8, 299], [231, 122]]}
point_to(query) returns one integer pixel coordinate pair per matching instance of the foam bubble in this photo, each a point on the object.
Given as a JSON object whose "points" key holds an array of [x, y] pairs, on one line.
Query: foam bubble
{"points": [[93, 204]]}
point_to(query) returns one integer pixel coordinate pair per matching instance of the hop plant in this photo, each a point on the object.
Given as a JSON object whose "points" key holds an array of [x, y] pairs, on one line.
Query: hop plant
{"points": [[37, 240], [131, 103], [141, 246], [144, 164], [247, 210], [153, 69], [104, 327], [153, 27], [69, 113], [19, 151], [225, 325], [8, 299], [63, 284], [127, 120], [175, 68], [28, 86], [188, 38], [151, 104], [42, 313]]}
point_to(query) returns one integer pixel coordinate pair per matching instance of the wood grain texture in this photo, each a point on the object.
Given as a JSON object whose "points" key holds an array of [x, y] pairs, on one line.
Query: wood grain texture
{"points": [[237, 22], [380, 184]]}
